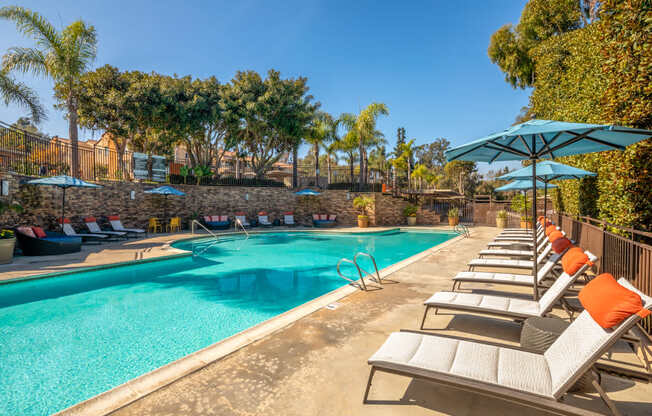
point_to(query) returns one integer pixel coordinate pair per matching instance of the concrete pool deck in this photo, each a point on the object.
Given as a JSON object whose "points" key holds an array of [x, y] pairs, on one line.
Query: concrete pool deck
{"points": [[317, 364]]}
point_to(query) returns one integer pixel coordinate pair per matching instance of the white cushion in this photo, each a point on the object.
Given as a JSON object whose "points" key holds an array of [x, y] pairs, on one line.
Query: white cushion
{"points": [[485, 303], [431, 355]]}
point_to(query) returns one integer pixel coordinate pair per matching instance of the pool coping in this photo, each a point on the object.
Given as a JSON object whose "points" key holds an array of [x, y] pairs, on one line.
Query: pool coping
{"points": [[145, 384]]}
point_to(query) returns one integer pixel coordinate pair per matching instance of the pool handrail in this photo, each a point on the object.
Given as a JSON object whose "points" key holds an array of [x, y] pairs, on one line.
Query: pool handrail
{"points": [[373, 260], [192, 227]]}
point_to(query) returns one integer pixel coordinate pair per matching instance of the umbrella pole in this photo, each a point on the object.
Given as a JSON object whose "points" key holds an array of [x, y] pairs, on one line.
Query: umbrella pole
{"points": [[535, 253], [545, 199], [527, 224], [63, 205]]}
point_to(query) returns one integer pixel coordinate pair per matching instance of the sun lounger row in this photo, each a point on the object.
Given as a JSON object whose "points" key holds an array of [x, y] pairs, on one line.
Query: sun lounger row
{"points": [[96, 234], [533, 379]]}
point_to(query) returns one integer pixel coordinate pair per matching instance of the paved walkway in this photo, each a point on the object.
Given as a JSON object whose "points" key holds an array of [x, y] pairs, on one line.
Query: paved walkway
{"points": [[317, 366]]}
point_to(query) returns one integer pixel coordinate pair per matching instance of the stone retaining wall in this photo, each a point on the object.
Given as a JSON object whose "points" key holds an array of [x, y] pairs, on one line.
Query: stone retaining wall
{"points": [[42, 204]]}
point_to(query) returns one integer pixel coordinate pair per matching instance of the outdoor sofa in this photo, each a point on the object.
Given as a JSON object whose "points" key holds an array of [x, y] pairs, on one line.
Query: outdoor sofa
{"points": [[217, 222], [324, 220], [33, 241]]}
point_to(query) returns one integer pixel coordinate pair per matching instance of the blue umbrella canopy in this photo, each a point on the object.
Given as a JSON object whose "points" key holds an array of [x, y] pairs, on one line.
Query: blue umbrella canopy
{"points": [[63, 181], [165, 190], [546, 139], [307, 192], [537, 139], [548, 171], [521, 185]]}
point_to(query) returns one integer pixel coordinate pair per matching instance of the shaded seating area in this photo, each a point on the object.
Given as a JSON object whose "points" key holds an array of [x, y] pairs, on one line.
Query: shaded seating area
{"points": [[324, 220], [34, 241], [217, 222]]}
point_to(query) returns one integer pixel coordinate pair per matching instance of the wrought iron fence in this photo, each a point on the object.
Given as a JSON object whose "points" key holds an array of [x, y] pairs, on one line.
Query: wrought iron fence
{"points": [[621, 251]]}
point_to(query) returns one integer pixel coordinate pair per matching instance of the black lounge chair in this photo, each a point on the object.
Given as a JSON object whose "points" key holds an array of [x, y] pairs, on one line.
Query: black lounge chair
{"points": [[53, 243]]}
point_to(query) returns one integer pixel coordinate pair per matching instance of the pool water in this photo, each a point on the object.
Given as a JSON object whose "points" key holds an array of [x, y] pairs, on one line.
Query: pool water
{"points": [[68, 338]]}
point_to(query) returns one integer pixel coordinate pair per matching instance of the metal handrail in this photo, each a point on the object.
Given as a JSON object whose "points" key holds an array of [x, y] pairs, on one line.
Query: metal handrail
{"points": [[373, 260], [362, 285], [462, 229], [192, 228], [238, 222]]}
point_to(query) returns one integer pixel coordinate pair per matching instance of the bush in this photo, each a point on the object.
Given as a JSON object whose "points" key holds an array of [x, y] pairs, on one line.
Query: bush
{"points": [[453, 212], [410, 211], [354, 187], [502, 214]]}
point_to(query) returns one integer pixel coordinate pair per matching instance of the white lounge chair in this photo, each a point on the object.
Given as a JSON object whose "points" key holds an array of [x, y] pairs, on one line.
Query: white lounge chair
{"points": [[91, 224], [510, 263], [263, 219], [116, 224], [70, 232], [530, 379], [505, 305], [511, 252], [288, 219], [240, 217]]}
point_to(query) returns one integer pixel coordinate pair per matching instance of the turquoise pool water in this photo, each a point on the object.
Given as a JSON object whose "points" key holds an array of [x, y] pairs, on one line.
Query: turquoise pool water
{"points": [[68, 338]]}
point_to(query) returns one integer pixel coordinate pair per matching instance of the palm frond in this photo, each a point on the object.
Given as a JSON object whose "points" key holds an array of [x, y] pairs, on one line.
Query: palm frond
{"points": [[25, 60], [33, 25], [12, 91]]}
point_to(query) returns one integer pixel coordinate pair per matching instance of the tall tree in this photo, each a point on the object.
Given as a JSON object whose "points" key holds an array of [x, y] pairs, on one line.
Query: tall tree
{"points": [[432, 154], [405, 160], [14, 92], [365, 127], [320, 132], [62, 56]]}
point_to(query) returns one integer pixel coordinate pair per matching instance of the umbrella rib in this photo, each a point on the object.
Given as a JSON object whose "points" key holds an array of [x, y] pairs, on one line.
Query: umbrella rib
{"points": [[524, 143], [548, 144], [575, 139], [506, 149], [501, 152], [616, 146], [545, 143]]}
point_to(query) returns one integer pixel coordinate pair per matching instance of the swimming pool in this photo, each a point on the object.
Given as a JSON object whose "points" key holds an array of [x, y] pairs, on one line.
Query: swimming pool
{"points": [[65, 339]]}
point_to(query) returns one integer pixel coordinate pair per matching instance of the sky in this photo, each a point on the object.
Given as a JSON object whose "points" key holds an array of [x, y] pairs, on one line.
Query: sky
{"points": [[426, 60]]}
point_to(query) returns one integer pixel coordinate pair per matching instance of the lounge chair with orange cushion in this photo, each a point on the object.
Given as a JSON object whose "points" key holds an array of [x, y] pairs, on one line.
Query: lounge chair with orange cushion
{"points": [[116, 224], [94, 228], [263, 219]]}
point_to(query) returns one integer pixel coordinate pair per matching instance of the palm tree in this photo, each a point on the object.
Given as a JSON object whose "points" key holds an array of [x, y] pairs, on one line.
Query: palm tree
{"points": [[331, 157], [12, 91], [349, 141], [62, 56], [365, 126], [320, 132], [404, 159]]}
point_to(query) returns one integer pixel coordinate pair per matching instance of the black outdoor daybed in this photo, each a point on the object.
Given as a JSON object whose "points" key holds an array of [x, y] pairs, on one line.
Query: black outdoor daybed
{"points": [[53, 243]]}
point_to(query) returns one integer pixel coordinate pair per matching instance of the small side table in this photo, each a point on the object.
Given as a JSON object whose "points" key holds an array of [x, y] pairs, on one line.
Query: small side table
{"points": [[539, 333]]}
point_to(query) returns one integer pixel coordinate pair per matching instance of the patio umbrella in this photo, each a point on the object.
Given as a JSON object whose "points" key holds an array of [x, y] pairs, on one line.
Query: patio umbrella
{"points": [[64, 182], [537, 139], [307, 192], [548, 171], [522, 185], [165, 191]]}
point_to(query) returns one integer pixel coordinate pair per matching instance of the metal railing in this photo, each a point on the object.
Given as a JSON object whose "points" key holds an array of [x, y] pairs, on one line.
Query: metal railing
{"points": [[621, 251], [362, 273], [204, 248]]}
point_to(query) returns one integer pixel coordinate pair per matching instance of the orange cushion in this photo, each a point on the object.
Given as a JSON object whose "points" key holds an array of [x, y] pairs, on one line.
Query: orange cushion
{"points": [[550, 229], [555, 236], [262, 213], [89, 219], [609, 303], [287, 213], [114, 218], [39, 232], [561, 244], [65, 221], [573, 260]]}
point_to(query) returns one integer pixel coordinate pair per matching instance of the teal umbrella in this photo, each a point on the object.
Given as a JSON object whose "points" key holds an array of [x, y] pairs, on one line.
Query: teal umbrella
{"points": [[165, 191], [548, 171], [521, 185], [539, 139], [307, 192], [64, 182]]}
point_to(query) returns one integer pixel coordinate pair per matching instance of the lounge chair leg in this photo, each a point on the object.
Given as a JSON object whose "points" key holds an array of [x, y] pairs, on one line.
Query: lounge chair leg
{"points": [[366, 392], [603, 395], [423, 320]]}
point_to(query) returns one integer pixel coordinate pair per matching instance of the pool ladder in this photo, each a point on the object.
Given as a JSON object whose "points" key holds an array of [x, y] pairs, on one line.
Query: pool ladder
{"points": [[192, 227], [361, 272], [462, 229]]}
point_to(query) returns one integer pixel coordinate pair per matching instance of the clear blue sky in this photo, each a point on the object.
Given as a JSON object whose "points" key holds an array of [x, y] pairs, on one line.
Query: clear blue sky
{"points": [[427, 60]]}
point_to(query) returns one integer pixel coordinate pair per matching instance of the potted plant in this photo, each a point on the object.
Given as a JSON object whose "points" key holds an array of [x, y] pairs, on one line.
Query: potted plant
{"points": [[410, 213], [7, 237], [525, 221], [520, 204], [453, 216], [501, 219], [363, 203]]}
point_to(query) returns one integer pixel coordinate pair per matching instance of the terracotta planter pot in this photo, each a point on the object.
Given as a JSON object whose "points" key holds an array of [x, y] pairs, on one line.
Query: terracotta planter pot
{"points": [[523, 224], [7, 250], [501, 222], [453, 221], [412, 220], [363, 221]]}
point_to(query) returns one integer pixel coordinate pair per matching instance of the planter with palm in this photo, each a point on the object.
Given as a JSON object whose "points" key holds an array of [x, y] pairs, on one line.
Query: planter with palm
{"points": [[7, 237], [363, 203]]}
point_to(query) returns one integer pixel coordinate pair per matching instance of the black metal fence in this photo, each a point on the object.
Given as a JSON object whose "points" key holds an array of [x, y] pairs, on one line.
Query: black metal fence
{"points": [[621, 251]]}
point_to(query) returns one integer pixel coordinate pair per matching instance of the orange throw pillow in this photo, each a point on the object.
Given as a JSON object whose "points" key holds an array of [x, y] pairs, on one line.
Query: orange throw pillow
{"points": [[550, 229], [555, 236], [561, 244], [573, 260], [609, 303]]}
